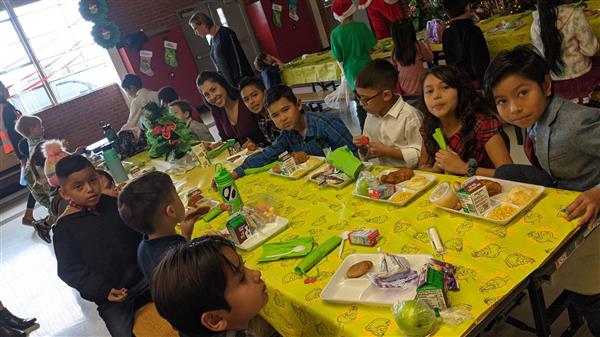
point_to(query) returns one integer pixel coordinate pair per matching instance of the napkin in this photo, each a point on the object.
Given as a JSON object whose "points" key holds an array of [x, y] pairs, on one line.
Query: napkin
{"points": [[343, 159], [317, 254], [286, 248], [216, 152], [260, 169]]}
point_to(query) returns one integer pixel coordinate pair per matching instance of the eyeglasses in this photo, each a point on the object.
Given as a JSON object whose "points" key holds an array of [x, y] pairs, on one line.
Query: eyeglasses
{"points": [[364, 100]]}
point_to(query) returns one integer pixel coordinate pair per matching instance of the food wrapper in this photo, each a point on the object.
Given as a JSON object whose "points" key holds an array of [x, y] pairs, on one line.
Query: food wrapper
{"points": [[343, 159], [394, 272], [265, 205], [365, 180]]}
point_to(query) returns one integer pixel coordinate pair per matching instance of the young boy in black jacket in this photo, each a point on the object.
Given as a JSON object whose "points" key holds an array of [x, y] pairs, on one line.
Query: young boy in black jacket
{"points": [[95, 250], [464, 44]]}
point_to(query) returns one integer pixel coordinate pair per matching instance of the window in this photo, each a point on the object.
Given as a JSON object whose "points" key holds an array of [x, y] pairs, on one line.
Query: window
{"points": [[47, 62]]}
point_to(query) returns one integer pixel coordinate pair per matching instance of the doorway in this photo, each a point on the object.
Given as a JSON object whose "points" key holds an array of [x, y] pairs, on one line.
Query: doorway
{"points": [[228, 13]]}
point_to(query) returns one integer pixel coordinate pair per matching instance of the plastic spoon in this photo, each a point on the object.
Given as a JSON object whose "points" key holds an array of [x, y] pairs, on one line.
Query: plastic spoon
{"points": [[344, 236], [296, 249]]}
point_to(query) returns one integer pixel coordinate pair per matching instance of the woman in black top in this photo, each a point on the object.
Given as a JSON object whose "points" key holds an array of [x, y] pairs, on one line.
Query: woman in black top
{"points": [[226, 51]]}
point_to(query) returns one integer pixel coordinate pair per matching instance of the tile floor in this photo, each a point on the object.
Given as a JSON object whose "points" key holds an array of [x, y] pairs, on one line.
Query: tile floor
{"points": [[29, 285]]}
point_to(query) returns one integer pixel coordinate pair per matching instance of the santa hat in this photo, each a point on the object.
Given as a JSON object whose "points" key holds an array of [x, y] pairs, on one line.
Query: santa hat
{"points": [[343, 9], [53, 151], [365, 3]]}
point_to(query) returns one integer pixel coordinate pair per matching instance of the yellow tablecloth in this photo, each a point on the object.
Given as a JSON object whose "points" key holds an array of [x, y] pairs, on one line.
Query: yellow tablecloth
{"points": [[321, 67], [491, 260]]}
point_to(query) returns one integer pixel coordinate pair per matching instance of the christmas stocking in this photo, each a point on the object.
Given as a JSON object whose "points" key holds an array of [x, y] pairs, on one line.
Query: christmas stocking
{"points": [[146, 62], [276, 14], [293, 7], [170, 53]]}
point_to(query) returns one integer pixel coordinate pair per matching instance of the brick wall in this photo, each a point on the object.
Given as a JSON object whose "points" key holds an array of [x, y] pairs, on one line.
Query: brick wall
{"points": [[77, 120], [133, 15]]}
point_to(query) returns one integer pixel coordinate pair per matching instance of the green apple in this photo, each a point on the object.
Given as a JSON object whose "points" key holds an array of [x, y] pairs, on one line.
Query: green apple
{"points": [[414, 318]]}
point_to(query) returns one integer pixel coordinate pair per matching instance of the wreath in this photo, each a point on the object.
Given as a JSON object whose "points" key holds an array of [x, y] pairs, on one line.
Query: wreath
{"points": [[167, 135], [93, 10], [106, 34]]}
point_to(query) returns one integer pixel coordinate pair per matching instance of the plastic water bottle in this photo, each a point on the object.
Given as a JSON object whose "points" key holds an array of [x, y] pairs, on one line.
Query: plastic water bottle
{"points": [[113, 162], [109, 132], [227, 189]]}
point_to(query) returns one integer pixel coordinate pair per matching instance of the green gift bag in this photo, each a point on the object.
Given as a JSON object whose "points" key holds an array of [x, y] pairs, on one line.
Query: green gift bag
{"points": [[343, 159], [317, 254]]}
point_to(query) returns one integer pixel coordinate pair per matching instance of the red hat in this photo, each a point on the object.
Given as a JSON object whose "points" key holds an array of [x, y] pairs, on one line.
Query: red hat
{"points": [[343, 9]]}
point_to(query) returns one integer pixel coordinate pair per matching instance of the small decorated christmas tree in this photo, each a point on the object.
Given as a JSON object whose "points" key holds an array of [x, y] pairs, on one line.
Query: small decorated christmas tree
{"points": [[167, 135]]}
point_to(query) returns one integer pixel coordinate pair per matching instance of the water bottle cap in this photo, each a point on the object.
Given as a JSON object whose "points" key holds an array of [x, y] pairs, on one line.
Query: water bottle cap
{"points": [[222, 176]]}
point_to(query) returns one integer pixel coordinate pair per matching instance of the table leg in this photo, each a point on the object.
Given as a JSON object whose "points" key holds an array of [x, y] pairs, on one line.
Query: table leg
{"points": [[538, 308]]}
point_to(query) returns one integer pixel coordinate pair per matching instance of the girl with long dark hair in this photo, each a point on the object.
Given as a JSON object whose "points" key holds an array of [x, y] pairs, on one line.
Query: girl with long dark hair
{"points": [[563, 35], [476, 145], [408, 57]]}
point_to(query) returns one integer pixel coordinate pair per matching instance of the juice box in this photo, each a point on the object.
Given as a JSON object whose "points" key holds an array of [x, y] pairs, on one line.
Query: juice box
{"points": [[433, 289], [239, 230], [364, 237]]}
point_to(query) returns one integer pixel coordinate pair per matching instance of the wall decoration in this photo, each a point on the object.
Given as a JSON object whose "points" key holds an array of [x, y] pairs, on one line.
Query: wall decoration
{"points": [[170, 53], [93, 10], [146, 62], [106, 33], [167, 135], [276, 15], [293, 10]]}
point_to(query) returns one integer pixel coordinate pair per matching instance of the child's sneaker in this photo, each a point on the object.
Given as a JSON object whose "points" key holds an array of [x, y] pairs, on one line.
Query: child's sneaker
{"points": [[42, 228]]}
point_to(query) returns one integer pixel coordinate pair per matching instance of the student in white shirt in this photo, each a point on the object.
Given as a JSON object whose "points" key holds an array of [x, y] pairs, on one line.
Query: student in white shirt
{"points": [[132, 84], [391, 133]]}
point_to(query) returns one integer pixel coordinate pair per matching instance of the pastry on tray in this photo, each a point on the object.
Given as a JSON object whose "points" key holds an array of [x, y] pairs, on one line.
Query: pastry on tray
{"points": [[397, 177], [416, 182], [359, 269], [300, 157], [492, 187]]}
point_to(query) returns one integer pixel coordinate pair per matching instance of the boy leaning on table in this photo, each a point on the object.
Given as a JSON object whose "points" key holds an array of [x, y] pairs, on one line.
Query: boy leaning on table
{"points": [[149, 204], [391, 133], [300, 130], [204, 289], [96, 251]]}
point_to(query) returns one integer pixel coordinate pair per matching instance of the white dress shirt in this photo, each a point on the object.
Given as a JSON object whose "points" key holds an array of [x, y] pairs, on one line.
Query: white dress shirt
{"points": [[399, 129]]}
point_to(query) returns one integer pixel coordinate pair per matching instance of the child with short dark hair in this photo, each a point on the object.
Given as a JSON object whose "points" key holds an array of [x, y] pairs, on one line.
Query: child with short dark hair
{"points": [[183, 110], [300, 131], [269, 68], [96, 251], [150, 205], [476, 145], [563, 142], [166, 95], [140, 96], [197, 288], [392, 125], [252, 91], [107, 183], [464, 44]]}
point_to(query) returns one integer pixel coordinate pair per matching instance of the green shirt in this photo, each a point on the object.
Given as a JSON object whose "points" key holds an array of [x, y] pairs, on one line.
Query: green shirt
{"points": [[350, 44]]}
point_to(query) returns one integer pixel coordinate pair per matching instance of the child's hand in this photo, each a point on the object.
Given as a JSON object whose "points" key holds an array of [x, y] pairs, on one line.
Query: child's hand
{"points": [[360, 143], [117, 295], [377, 149], [450, 162], [586, 205]]}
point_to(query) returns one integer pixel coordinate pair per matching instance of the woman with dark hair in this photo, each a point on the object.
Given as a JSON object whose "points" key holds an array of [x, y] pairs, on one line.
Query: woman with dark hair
{"points": [[476, 145], [408, 57], [563, 35], [232, 117], [226, 51]]}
